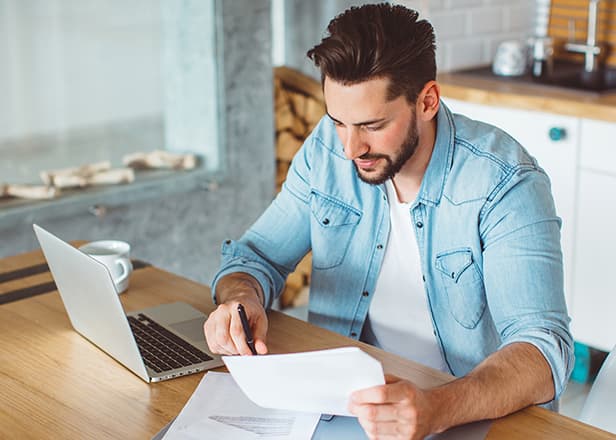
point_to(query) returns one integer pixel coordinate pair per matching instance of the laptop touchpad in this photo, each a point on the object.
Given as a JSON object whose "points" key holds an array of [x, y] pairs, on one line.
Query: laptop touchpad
{"points": [[192, 329]]}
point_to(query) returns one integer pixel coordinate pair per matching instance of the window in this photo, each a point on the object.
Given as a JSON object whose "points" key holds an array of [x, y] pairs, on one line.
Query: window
{"points": [[85, 81]]}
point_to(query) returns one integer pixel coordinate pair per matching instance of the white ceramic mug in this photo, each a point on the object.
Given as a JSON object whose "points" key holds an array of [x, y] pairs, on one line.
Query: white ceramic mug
{"points": [[511, 58], [115, 255]]}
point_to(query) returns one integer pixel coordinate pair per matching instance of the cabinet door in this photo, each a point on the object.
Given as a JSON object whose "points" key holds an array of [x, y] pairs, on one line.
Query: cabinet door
{"points": [[598, 146], [594, 304], [553, 141]]}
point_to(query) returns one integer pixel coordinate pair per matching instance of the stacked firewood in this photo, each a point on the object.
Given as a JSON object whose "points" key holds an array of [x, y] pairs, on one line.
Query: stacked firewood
{"points": [[298, 105]]}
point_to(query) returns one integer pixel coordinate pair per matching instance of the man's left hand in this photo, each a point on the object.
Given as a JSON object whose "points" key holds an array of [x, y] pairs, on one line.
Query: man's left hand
{"points": [[396, 410]]}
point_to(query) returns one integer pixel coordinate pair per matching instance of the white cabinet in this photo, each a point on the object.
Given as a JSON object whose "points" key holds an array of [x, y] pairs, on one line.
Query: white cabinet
{"points": [[594, 304], [558, 157]]}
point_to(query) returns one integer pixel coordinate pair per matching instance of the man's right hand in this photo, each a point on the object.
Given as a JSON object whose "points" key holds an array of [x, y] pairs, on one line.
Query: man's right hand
{"points": [[223, 329]]}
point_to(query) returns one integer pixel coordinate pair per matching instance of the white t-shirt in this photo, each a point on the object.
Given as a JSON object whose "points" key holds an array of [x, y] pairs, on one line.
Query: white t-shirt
{"points": [[399, 317]]}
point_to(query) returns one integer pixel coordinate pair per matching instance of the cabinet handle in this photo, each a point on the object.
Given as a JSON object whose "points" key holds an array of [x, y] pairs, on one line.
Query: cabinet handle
{"points": [[557, 133]]}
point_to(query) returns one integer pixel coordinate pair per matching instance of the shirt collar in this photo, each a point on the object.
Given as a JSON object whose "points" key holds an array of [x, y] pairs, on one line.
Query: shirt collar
{"points": [[433, 182]]}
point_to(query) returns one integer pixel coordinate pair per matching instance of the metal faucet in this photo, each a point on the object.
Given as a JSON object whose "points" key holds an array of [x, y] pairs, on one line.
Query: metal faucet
{"points": [[591, 49]]}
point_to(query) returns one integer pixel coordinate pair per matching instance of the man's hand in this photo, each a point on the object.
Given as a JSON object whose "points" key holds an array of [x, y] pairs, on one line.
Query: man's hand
{"points": [[396, 410], [511, 378], [223, 329]]}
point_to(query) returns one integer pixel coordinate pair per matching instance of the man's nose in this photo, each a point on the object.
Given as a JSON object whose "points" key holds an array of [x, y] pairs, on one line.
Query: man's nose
{"points": [[354, 146]]}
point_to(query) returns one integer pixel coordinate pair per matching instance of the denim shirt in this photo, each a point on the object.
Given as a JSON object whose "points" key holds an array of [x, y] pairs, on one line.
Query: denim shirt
{"points": [[486, 226]]}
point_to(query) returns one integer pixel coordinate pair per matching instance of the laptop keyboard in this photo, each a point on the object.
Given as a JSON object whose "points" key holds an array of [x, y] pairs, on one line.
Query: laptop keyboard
{"points": [[161, 349]]}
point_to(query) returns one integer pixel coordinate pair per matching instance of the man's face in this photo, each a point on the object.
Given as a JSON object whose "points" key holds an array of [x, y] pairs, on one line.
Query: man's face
{"points": [[379, 136]]}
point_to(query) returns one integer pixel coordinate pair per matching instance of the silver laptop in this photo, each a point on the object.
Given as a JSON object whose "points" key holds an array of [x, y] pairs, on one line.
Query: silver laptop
{"points": [[156, 344]]}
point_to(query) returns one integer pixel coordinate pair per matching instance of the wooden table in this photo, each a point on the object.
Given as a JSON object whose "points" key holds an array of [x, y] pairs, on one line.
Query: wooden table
{"points": [[55, 384]]}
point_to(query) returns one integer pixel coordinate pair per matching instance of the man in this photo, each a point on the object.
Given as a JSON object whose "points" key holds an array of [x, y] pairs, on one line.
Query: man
{"points": [[433, 236]]}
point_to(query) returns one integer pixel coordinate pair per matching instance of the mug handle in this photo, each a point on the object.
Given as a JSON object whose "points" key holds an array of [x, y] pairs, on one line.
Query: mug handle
{"points": [[127, 268]]}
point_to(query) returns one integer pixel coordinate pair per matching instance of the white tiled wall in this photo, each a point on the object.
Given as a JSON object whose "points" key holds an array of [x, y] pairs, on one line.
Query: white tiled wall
{"points": [[468, 31]]}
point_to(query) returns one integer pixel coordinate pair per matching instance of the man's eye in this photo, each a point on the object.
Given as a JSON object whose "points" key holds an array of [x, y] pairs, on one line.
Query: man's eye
{"points": [[373, 127]]}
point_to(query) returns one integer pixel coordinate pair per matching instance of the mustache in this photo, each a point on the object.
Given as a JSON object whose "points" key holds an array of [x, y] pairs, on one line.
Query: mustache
{"points": [[369, 156]]}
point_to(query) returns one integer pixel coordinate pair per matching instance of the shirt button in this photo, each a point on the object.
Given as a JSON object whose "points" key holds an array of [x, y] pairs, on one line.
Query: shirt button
{"points": [[353, 334], [326, 221], [419, 224], [365, 293], [379, 246]]}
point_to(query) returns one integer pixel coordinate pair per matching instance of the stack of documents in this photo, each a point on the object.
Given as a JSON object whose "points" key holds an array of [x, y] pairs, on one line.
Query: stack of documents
{"points": [[275, 396], [283, 396]]}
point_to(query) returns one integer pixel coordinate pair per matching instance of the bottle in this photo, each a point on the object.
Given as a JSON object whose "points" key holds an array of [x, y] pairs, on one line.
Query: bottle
{"points": [[542, 50]]}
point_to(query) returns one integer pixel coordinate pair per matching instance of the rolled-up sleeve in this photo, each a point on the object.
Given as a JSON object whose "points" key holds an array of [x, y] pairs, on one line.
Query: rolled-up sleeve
{"points": [[279, 239], [523, 270]]}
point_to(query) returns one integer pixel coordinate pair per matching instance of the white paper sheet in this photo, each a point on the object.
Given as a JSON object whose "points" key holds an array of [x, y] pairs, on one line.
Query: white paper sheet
{"points": [[315, 382], [218, 409]]}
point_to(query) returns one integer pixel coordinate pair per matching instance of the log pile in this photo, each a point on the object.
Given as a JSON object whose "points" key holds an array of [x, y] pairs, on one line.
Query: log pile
{"points": [[298, 106], [33, 192], [159, 160], [99, 173]]}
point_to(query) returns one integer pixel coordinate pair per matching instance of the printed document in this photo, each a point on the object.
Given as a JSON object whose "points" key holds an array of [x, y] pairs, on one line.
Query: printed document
{"points": [[313, 382], [218, 409]]}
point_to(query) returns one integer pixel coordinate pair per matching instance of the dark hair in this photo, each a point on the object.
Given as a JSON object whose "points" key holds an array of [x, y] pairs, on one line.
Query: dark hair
{"points": [[378, 41]]}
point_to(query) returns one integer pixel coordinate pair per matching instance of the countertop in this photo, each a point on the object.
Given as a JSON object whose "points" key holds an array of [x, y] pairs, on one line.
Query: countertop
{"points": [[501, 91]]}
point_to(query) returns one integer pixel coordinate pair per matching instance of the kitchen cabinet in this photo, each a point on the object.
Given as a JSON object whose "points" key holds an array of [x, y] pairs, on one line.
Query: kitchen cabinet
{"points": [[553, 141], [594, 304]]}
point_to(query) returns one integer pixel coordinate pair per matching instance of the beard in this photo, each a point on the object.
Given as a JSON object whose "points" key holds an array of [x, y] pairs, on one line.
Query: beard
{"points": [[393, 163]]}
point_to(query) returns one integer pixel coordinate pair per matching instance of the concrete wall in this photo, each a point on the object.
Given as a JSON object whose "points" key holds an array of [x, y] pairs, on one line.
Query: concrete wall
{"points": [[182, 232]]}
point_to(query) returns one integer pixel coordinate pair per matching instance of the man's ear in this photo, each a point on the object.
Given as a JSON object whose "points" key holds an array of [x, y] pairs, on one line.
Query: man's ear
{"points": [[428, 101]]}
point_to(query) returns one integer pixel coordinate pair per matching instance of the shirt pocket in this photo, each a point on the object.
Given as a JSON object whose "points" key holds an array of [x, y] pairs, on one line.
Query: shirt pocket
{"points": [[463, 283], [332, 225]]}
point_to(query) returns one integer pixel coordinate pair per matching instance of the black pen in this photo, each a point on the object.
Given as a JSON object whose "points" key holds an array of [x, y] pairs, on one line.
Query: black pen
{"points": [[249, 339]]}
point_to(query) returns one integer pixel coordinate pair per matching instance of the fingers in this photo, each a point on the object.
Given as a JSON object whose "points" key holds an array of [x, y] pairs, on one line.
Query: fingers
{"points": [[387, 430], [393, 410], [393, 391], [238, 336], [260, 346], [217, 338], [389, 420], [384, 412], [224, 332], [260, 335]]}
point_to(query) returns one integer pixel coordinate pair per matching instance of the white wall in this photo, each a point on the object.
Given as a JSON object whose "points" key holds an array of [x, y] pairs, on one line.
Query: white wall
{"points": [[76, 63], [468, 31]]}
